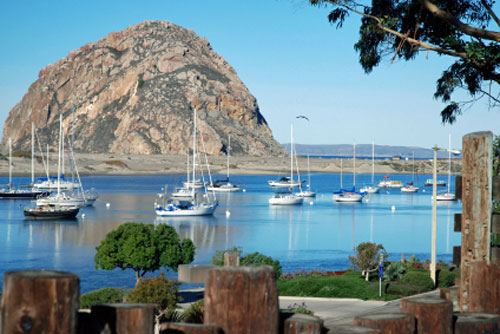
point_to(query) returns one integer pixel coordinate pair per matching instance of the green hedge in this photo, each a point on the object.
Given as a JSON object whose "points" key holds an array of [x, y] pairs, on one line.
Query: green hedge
{"points": [[101, 296], [419, 279]]}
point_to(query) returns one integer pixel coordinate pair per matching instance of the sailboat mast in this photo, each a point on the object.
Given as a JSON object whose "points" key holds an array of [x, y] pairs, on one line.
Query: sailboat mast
{"points": [[341, 187], [32, 153], [48, 177], [72, 141], [194, 148], [291, 154], [373, 161], [10, 162], [308, 172], [449, 161], [59, 157], [354, 166], [228, 154]]}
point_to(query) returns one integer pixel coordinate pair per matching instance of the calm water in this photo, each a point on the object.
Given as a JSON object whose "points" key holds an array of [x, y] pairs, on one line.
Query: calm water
{"points": [[318, 235]]}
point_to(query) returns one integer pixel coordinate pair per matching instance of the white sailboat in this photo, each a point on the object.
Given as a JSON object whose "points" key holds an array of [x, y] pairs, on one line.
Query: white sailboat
{"points": [[447, 196], [410, 187], [287, 197], [57, 208], [225, 185], [308, 192], [372, 188], [349, 196], [199, 204]]}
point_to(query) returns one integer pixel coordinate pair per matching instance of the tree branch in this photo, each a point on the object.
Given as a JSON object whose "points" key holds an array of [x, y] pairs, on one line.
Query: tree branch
{"points": [[410, 40], [489, 95], [452, 20], [492, 13]]}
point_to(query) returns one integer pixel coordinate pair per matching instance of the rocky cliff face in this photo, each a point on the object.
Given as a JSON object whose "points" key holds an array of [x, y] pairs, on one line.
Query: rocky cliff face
{"points": [[133, 93]]}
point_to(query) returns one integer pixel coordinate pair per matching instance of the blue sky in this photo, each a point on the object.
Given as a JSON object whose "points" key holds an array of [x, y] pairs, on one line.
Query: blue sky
{"points": [[291, 59]]}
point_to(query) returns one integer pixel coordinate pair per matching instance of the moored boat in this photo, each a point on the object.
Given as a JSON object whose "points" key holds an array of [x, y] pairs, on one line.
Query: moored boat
{"points": [[50, 212]]}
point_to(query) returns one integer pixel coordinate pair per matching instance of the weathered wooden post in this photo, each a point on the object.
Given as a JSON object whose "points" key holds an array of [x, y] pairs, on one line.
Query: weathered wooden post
{"points": [[477, 272], [123, 318], [231, 258], [40, 301], [300, 323], [242, 300], [433, 315], [388, 323]]}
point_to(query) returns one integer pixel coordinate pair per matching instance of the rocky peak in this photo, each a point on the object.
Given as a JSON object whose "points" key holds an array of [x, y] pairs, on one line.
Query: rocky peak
{"points": [[133, 93]]}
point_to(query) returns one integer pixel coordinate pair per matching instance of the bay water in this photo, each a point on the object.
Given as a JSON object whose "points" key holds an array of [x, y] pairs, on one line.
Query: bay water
{"points": [[320, 234]]}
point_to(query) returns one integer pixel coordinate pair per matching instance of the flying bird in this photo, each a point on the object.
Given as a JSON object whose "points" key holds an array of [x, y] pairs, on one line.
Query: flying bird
{"points": [[302, 116]]}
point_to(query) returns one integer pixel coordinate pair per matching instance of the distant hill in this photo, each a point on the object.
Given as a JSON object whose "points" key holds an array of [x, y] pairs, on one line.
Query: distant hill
{"points": [[365, 150]]}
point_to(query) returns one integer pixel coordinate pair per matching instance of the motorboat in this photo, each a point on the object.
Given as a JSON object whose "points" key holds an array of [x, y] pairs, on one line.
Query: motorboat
{"points": [[386, 183], [446, 197]]}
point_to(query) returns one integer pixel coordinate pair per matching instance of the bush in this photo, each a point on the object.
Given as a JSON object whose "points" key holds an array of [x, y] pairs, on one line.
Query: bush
{"points": [[194, 313], [298, 308], [419, 278], [395, 271], [401, 289], [157, 290], [101, 296], [446, 278], [257, 259]]}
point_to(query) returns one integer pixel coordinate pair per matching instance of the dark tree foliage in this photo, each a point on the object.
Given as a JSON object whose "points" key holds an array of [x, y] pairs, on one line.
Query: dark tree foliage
{"points": [[143, 248], [400, 29]]}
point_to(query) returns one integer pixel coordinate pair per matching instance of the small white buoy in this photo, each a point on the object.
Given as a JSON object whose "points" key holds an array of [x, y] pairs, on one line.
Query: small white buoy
{"points": [[423, 190], [108, 205], [367, 199], [244, 190], [228, 213], [83, 215], [393, 208], [311, 203]]}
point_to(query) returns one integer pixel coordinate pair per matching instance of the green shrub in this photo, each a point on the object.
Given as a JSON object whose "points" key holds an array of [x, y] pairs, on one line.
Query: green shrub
{"points": [[413, 261], [419, 278], [157, 290], [257, 259], [101, 296], [401, 289], [446, 278], [395, 271], [194, 313]]}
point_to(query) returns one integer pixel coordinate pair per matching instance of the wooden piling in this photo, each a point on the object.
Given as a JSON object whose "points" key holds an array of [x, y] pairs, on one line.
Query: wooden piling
{"points": [[40, 301], [484, 289], [476, 207], [452, 294], [433, 315], [231, 258], [388, 323], [124, 318], [184, 328], [242, 300], [484, 323], [302, 324]]}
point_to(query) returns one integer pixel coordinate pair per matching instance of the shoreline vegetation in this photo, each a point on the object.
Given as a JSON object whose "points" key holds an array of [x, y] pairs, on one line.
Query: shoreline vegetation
{"points": [[156, 164]]}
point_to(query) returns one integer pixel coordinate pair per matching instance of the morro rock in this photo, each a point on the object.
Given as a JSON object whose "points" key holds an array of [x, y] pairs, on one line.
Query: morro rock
{"points": [[133, 92]]}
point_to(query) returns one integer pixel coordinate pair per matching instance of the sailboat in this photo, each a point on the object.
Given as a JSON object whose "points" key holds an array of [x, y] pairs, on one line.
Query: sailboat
{"points": [[308, 192], [54, 209], [286, 197], [447, 196], [349, 196], [225, 185], [410, 188], [199, 204], [287, 181], [12, 193], [372, 189]]}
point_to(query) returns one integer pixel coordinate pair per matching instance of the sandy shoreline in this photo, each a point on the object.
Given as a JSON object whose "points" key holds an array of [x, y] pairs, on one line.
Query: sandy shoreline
{"points": [[123, 164]]}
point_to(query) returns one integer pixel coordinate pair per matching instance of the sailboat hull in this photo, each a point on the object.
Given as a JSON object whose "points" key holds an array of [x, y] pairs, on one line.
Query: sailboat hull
{"points": [[172, 210], [48, 212], [22, 194], [286, 200]]}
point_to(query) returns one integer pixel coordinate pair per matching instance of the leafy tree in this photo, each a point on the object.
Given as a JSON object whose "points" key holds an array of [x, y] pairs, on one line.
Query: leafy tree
{"points": [[457, 28], [143, 248], [367, 257]]}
